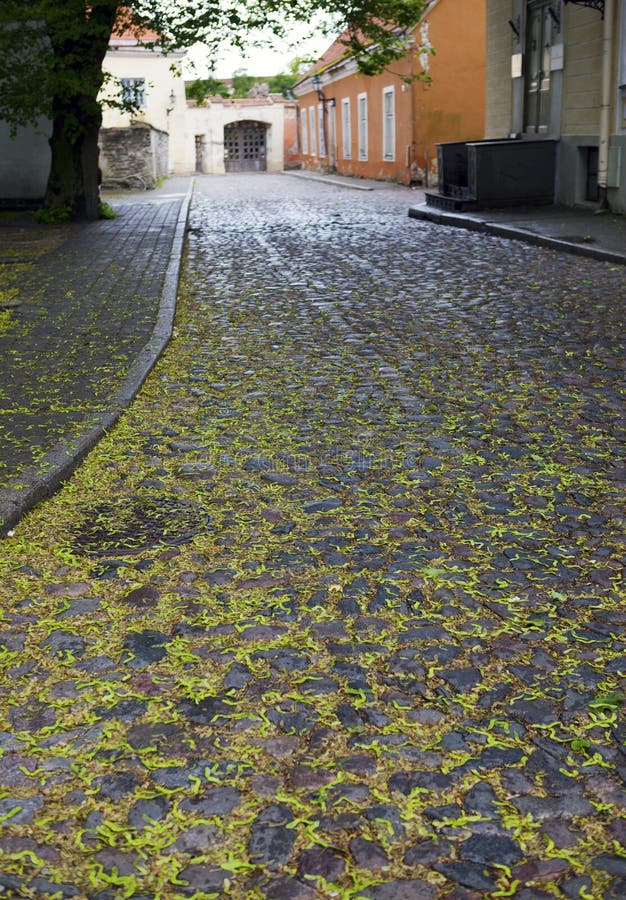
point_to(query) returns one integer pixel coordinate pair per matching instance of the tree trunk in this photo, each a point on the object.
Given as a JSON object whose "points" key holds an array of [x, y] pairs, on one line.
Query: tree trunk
{"points": [[79, 33], [74, 174]]}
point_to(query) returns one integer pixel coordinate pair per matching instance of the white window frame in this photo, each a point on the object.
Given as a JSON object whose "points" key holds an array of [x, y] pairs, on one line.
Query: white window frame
{"points": [[133, 90], [346, 129], [304, 128], [363, 126], [312, 135], [331, 122], [389, 124], [322, 135]]}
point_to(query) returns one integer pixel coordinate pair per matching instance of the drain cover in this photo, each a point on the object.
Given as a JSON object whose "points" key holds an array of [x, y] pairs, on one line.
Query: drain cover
{"points": [[139, 523]]}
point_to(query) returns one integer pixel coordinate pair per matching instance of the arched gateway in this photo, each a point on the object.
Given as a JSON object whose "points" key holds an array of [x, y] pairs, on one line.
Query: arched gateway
{"points": [[245, 146]]}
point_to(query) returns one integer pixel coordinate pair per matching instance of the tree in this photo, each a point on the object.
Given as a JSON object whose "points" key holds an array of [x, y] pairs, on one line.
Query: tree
{"points": [[202, 88], [51, 54], [282, 83]]}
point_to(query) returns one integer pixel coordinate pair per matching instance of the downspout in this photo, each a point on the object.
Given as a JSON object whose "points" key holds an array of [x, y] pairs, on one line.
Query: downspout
{"points": [[413, 145], [605, 105]]}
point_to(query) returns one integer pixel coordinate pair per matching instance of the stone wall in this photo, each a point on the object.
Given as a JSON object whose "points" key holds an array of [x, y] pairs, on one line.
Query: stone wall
{"points": [[139, 153], [160, 152]]}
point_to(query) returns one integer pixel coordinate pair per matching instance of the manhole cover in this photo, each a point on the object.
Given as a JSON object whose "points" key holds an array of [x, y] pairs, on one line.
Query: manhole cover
{"points": [[128, 526]]}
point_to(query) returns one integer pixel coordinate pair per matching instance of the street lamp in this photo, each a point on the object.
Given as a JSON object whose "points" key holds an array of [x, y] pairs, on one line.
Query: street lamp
{"points": [[317, 86], [316, 81]]}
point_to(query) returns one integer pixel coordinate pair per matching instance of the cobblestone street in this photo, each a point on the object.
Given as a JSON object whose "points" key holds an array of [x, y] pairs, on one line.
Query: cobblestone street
{"points": [[336, 610]]}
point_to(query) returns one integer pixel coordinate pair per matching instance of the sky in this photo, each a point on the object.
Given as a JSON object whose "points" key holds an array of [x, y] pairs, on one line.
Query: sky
{"points": [[259, 60]]}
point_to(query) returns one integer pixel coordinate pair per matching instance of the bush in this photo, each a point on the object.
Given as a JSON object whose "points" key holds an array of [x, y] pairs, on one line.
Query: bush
{"points": [[105, 211], [53, 215]]}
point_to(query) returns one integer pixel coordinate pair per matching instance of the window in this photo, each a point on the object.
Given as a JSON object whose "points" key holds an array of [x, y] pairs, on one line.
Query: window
{"points": [[362, 101], [322, 129], [305, 132], [312, 130], [389, 123], [346, 130], [133, 91], [538, 82]]}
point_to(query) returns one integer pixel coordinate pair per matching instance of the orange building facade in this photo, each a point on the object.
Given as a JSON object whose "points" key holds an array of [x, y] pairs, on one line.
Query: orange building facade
{"points": [[387, 126]]}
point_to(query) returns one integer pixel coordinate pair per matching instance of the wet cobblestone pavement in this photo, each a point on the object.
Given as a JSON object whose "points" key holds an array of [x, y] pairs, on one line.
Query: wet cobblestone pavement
{"points": [[335, 610]]}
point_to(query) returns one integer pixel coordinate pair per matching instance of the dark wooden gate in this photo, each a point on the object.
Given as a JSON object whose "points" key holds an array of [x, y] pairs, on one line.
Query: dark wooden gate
{"points": [[245, 146]]}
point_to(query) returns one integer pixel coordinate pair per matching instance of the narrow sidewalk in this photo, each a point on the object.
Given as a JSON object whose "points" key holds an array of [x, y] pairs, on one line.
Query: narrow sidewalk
{"points": [[90, 315], [583, 232]]}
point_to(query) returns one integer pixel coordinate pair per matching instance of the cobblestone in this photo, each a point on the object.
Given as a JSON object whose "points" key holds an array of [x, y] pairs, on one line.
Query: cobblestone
{"points": [[336, 609]]}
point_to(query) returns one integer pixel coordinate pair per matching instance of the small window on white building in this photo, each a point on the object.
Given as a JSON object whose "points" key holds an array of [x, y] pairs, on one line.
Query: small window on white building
{"points": [[322, 129], [305, 132], [312, 130], [362, 107], [346, 129], [389, 123], [133, 91]]}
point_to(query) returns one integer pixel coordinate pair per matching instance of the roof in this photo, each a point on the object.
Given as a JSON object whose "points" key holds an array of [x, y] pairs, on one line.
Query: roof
{"points": [[335, 52], [338, 49], [127, 33]]}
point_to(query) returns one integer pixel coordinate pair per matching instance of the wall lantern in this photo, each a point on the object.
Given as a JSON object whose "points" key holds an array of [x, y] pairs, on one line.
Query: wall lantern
{"points": [[316, 81]]}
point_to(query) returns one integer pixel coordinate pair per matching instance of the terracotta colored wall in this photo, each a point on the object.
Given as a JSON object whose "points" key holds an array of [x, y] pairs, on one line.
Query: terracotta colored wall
{"points": [[292, 150], [350, 88], [452, 107]]}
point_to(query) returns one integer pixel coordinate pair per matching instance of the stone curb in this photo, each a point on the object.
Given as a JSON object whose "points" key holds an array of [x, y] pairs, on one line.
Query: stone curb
{"points": [[473, 223], [329, 180], [38, 482]]}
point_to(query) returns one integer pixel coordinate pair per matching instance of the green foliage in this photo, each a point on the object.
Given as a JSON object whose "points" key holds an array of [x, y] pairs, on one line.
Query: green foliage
{"points": [[282, 83], [53, 215], [202, 88], [6, 320], [106, 211], [242, 83], [51, 55]]}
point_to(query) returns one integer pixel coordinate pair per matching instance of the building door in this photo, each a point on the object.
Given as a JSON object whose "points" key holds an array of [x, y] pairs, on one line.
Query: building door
{"points": [[537, 76], [245, 147]]}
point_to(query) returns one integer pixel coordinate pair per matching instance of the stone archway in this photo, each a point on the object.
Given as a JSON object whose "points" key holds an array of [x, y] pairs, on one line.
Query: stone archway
{"points": [[245, 146]]}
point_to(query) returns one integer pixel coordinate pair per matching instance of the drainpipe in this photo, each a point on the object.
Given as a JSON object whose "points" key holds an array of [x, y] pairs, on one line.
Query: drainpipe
{"points": [[605, 105], [413, 100]]}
